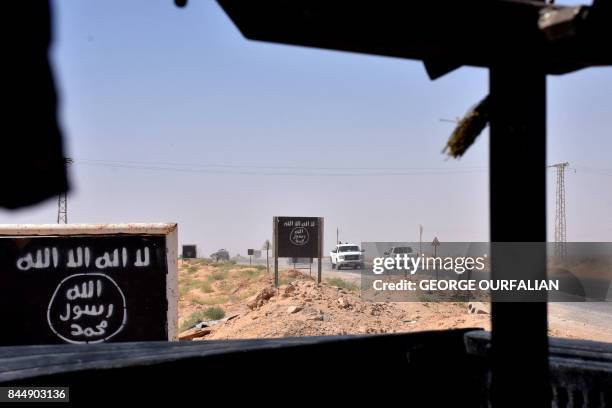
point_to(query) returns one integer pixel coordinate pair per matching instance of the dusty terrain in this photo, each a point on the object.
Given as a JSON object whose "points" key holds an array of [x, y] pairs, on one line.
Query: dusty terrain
{"points": [[243, 303]]}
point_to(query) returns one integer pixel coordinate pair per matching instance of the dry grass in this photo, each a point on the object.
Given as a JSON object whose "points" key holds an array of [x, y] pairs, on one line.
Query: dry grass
{"points": [[211, 313], [343, 284]]}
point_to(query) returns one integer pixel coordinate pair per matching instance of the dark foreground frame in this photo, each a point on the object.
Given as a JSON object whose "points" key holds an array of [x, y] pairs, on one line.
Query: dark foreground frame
{"points": [[422, 369], [437, 368], [520, 42]]}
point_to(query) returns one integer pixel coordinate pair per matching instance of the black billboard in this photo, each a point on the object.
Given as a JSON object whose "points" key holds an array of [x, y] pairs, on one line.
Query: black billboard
{"points": [[298, 237], [83, 289], [189, 251]]}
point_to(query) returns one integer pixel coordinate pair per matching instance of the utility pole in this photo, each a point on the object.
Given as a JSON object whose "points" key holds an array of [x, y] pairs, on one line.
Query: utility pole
{"points": [[560, 231], [420, 239], [266, 246], [62, 201]]}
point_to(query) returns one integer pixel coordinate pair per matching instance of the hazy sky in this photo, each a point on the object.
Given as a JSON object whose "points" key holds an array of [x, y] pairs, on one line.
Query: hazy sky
{"points": [[154, 87]]}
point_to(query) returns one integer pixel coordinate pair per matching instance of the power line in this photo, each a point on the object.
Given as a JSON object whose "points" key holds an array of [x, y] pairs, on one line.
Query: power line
{"points": [[175, 164], [278, 170], [295, 170], [593, 170]]}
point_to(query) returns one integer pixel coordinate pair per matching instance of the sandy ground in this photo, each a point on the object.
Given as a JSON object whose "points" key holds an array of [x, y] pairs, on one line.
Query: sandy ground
{"points": [[300, 307]]}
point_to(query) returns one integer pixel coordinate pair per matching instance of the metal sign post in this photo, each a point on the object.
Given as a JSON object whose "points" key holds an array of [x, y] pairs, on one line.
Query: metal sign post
{"points": [[275, 244], [320, 250]]}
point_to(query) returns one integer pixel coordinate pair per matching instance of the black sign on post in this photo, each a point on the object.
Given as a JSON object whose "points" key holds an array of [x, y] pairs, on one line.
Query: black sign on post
{"points": [[297, 237], [190, 251], [250, 252], [85, 284]]}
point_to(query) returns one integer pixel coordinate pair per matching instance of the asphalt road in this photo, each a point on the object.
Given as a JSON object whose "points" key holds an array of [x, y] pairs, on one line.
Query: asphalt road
{"points": [[353, 275], [596, 316], [593, 315]]}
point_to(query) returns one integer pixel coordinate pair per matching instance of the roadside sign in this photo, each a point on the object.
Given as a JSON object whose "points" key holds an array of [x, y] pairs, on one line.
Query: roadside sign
{"points": [[189, 251], [297, 237], [88, 283], [250, 253]]}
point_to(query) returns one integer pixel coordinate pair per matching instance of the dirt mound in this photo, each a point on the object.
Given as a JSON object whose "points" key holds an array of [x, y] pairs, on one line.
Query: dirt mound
{"points": [[254, 308], [303, 308], [293, 273], [261, 298]]}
